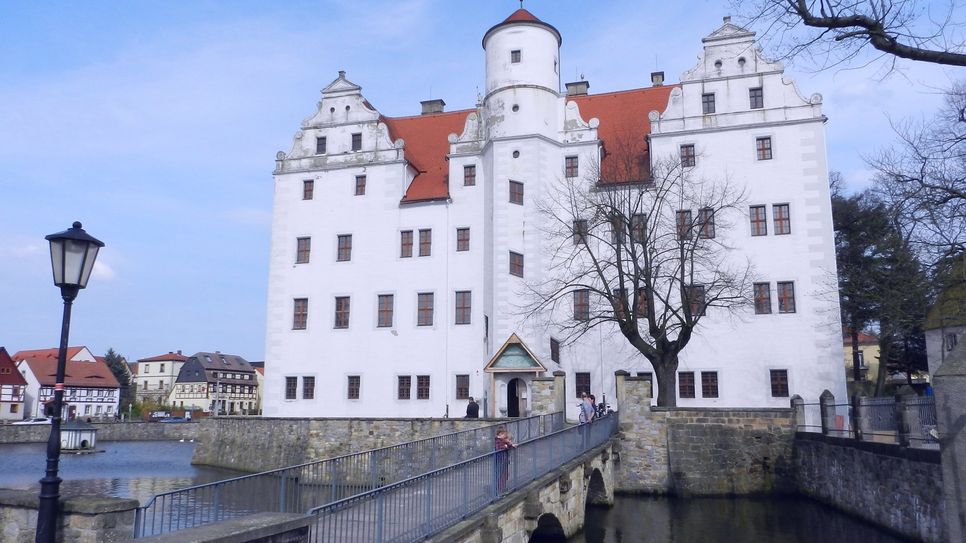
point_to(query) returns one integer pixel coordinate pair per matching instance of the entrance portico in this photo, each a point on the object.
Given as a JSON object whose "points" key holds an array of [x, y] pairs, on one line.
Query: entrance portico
{"points": [[511, 370]]}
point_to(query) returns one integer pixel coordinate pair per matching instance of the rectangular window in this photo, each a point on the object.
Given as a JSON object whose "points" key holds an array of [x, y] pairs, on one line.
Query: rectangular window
{"points": [[756, 98], [706, 223], [308, 189], [384, 311], [516, 192], [425, 242], [291, 388], [620, 301], [779, 383], [617, 229], [571, 166], [685, 384], [469, 175], [357, 142], [354, 384], [783, 221], [638, 224], [554, 350], [462, 239], [345, 248], [422, 387], [341, 311], [687, 156], [464, 300], [709, 384], [762, 292], [579, 230], [696, 300], [424, 312], [684, 224], [308, 388], [360, 185], [300, 313], [763, 148], [642, 305], [759, 220], [582, 305], [404, 387], [303, 246], [515, 56], [462, 387], [786, 297], [707, 103], [582, 382], [320, 145], [516, 264], [406, 244]]}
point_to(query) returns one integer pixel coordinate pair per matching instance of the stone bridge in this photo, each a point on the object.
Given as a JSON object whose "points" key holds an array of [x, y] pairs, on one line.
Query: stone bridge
{"points": [[550, 509]]}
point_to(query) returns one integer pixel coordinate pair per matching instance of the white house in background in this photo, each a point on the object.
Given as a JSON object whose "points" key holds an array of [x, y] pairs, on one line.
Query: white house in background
{"points": [[90, 389], [426, 231], [155, 376], [216, 383], [13, 387]]}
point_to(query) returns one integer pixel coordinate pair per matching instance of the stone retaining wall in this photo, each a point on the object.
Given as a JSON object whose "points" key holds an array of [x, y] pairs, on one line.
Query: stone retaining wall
{"points": [[83, 519], [109, 431], [895, 487], [261, 443]]}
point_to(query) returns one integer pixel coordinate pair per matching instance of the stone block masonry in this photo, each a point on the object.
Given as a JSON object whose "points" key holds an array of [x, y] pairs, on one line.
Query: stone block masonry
{"points": [[83, 519], [108, 431]]}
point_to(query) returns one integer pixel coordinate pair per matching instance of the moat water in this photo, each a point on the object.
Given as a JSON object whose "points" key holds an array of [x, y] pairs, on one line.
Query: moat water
{"points": [[126, 469], [637, 519]]}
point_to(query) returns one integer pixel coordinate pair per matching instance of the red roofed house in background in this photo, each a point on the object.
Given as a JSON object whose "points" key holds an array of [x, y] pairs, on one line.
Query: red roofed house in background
{"points": [[12, 388], [90, 389], [403, 247]]}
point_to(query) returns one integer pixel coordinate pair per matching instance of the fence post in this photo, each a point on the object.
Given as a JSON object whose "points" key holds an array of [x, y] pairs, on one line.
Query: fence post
{"points": [[827, 408], [904, 413], [798, 413], [950, 386], [860, 417]]}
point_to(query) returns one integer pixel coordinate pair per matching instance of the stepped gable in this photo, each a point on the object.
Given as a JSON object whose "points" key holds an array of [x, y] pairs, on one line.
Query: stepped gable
{"points": [[426, 149], [623, 129]]}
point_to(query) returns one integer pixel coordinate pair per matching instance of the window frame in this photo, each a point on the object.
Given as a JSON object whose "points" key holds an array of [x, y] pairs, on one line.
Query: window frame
{"points": [[425, 308], [300, 313], [321, 145], [308, 387], [708, 105], [686, 385], [709, 384], [308, 189], [555, 350], [423, 387], [383, 312], [425, 242], [582, 382], [582, 304], [690, 292], [706, 223], [579, 229], [684, 222], [462, 239], [404, 392], [405, 244], [516, 56], [516, 192], [758, 223], [778, 379], [360, 185], [638, 228], [571, 166], [687, 156], [782, 220], [353, 387], [291, 387], [343, 244], [462, 386], [464, 311], [469, 175], [516, 267], [761, 294], [303, 249], [756, 100], [786, 300], [356, 144], [343, 306]]}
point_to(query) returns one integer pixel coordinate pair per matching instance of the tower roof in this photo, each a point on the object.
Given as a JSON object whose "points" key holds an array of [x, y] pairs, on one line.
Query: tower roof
{"points": [[522, 16]]}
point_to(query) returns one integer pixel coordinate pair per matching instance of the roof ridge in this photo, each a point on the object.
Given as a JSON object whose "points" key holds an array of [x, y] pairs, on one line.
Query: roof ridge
{"points": [[429, 115]]}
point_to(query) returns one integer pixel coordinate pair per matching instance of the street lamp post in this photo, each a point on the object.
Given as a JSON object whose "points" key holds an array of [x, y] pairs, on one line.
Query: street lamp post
{"points": [[72, 256]]}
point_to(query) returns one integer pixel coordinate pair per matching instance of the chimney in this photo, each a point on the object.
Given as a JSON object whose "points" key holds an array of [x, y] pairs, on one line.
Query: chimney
{"points": [[433, 106], [578, 88], [179, 351], [657, 79]]}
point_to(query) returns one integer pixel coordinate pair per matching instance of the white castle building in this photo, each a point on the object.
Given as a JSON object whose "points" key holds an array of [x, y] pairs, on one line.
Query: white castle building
{"points": [[402, 247]]}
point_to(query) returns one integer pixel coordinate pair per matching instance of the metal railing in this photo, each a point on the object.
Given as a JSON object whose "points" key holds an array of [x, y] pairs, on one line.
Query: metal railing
{"points": [[296, 489], [415, 509], [909, 421]]}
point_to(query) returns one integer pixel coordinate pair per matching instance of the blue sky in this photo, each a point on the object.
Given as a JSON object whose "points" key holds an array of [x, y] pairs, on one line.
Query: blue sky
{"points": [[156, 124]]}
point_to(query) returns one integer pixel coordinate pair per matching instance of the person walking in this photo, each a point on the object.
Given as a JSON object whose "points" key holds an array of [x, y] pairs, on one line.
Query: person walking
{"points": [[502, 445], [472, 409], [586, 408]]}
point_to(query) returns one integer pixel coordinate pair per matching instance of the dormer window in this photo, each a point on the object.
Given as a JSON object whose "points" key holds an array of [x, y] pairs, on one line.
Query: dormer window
{"points": [[320, 145], [357, 142], [515, 56]]}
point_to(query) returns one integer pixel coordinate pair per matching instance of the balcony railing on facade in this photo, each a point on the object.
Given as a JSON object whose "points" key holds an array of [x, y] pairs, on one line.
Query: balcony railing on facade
{"points": [[906, 419]]}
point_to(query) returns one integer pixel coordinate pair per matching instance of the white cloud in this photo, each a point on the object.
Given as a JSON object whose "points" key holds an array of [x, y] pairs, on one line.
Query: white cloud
{"points": [[102, 271]]}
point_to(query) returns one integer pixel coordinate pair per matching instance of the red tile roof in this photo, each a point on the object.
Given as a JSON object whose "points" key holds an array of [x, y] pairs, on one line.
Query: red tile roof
{"points": [[177, 357], [624, 127], [46, 353], [522, 16], [426, 149], [9, 374], [78, 374], [864, 338]]}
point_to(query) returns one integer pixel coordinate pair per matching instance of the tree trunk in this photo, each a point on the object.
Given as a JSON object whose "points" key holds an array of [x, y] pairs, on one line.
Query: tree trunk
{"points": [[856, 367], [666, 373]]}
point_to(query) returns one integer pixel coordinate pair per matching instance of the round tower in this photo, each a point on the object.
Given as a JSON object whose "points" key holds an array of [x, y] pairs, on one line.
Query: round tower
{"points": [[522, 74]]}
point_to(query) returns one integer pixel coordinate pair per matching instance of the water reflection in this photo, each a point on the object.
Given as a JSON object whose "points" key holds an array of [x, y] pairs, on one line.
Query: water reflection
{"points": [[126, 469], [635, 519]]}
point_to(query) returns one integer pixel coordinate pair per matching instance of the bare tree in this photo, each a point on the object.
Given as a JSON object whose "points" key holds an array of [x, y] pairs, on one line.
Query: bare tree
{"points": [[923, 179], [837, 31], [640, 252]]}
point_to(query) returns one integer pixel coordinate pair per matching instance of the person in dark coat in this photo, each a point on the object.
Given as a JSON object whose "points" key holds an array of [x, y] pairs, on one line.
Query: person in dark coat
{"points": [[472, 409]]}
